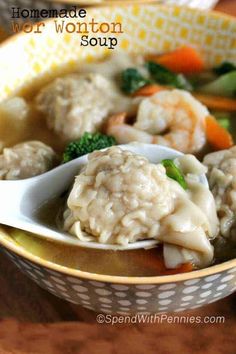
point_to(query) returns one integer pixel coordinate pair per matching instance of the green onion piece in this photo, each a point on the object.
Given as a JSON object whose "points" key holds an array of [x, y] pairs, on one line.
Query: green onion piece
{"points": [[174, 172]]}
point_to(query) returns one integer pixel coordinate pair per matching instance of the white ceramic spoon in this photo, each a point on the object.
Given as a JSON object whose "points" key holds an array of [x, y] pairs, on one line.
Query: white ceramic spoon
{"points": [[20, 200]]}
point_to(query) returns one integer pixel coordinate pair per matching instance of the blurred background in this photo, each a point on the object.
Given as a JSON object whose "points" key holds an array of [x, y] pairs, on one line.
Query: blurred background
{"points": [[6, 5]]}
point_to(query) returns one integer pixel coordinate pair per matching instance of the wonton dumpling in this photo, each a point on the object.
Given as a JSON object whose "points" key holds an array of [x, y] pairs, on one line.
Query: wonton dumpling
{"points": [[15, 109], [222, 179], [26, 160], [75, 104], [120, 197]]}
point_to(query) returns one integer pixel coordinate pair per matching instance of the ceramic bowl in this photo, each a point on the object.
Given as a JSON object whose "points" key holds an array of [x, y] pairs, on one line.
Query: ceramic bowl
{"points": [[146, 29], [6, 12]]}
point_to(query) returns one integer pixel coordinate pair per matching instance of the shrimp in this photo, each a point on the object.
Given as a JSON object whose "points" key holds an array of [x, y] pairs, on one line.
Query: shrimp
{"points": [[170, 118], [124, 133]]}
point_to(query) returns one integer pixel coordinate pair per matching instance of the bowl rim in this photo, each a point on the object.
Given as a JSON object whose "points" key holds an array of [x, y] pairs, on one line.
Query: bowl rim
{"points": [[22, 253]]}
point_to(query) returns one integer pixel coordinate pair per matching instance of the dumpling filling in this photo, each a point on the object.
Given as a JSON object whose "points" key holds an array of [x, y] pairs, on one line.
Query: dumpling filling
{"points": [[120, 197]]}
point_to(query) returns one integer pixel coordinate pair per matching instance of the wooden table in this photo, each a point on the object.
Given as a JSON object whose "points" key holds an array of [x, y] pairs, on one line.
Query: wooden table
{"points": [[33, 321], [227, 6]]}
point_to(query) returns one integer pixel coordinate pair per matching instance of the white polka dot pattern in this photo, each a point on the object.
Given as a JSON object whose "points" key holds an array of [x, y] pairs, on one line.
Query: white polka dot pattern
{"points": [[126, 299], [166, 294], [190, 289]]}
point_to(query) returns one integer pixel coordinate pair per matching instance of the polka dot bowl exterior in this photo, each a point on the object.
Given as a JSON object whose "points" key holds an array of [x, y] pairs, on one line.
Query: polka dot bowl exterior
{"points": [[146, 29], [6, 7], [124, 295]]}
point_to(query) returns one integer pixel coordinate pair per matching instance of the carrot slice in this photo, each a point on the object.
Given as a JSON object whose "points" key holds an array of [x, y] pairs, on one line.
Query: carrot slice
{"points": [[217, 102], [148, 90], [182, 60], [217, 136]]}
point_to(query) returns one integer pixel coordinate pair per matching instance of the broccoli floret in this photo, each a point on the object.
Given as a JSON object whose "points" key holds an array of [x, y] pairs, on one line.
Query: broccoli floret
{"points": [[86, 144], [132, 80]]}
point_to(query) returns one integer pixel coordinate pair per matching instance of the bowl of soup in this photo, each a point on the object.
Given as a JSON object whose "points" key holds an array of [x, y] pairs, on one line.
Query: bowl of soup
{"points": [[64, 100]]}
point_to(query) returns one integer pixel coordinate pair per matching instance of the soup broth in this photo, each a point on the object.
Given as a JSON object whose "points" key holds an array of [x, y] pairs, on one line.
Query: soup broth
{"points": [[122, 263]]}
